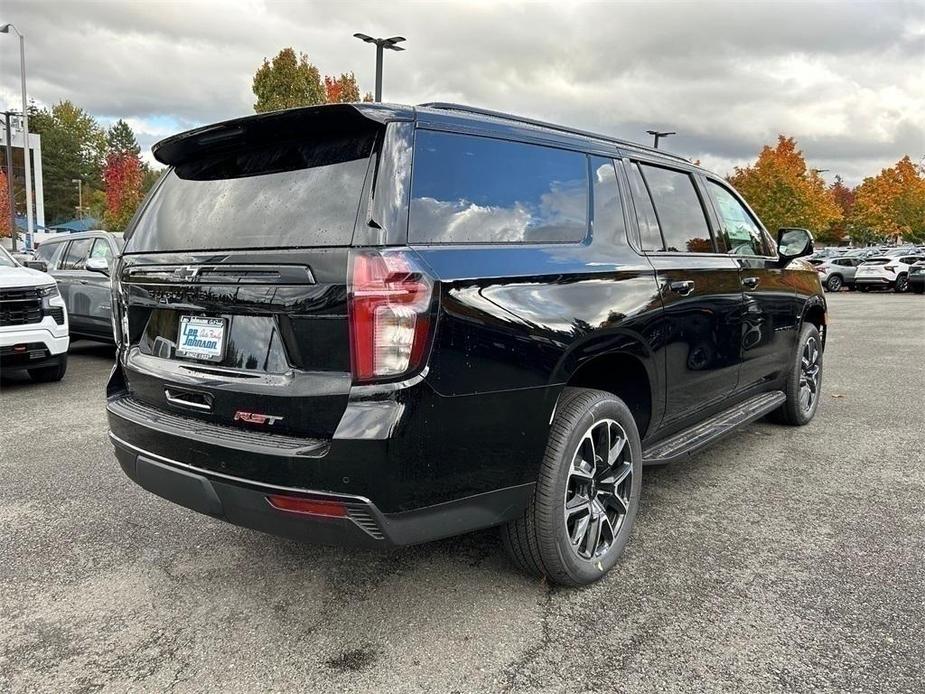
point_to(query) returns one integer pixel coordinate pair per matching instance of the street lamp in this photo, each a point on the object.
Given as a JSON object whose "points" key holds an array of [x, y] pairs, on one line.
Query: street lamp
{"points": [[659, 134], [80, 196], [380, 45], [5, 29]]}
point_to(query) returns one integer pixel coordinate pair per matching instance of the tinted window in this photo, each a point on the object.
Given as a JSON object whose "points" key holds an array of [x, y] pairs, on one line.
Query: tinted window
{"points": [[290, 194], [680, 214], [645, 212], [479, 190], [743, 235], [47, 251], [76, 254], [608, 207]]}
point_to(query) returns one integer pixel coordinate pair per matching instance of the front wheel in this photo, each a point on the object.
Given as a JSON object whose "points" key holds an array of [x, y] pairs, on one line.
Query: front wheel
{"points": [[902, 284], [804, 380], [834, 283], [587, 493]]}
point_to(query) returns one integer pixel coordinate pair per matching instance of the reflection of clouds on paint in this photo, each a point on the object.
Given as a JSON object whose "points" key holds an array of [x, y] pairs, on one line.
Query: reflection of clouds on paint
{"points": [[560, 215]]}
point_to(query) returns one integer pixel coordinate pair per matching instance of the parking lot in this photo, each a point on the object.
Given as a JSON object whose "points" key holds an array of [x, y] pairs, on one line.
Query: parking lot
{"points": [[779, 560]]}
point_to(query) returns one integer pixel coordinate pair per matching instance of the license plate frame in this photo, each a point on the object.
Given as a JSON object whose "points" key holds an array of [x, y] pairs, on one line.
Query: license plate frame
{"points": [[215, 331]]}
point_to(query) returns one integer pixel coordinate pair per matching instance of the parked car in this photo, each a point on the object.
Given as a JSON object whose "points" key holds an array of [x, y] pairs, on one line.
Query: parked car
{"points": [[33, 322], [503, 333], [917, 276], [886, 272], [80, 263], [862, 253], [836, 273]]}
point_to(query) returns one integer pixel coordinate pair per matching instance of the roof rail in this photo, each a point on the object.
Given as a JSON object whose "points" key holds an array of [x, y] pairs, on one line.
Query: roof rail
{"points": [[448, 106]]}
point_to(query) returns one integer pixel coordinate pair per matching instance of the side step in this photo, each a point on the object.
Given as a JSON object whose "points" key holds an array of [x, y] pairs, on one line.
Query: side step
{"points": [[690, 440]]}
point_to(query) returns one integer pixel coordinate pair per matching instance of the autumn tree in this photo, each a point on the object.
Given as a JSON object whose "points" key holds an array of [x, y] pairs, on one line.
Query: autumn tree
{"points": [[123, 176], [341, 90], [5, 229], [73, 147], [891, 205], [844, 198], [784, 192], [287, 81]]}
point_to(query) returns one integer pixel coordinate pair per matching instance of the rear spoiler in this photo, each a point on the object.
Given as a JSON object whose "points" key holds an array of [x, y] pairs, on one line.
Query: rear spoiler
{"points": [[274, 127]]}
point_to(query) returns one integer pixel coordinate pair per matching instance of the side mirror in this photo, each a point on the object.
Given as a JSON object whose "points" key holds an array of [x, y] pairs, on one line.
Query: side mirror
{"points": [[39, 265], [98, 265], [793, 243]]}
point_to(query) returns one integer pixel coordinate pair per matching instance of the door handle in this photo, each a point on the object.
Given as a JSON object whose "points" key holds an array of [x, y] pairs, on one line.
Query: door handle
{"points": [[683, 288], [750, 282], [84, 282]]}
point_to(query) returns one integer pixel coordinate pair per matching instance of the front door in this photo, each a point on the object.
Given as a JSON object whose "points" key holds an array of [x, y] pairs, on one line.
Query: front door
{"points": [[700, 288], [771, 318]]}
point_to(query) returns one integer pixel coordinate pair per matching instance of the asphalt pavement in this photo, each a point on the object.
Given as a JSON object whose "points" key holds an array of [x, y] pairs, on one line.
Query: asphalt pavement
{"points": [[780, 560]]}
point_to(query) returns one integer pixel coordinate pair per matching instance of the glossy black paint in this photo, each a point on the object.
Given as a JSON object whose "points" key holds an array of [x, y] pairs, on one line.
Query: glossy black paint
{"points": [[515, 324]]}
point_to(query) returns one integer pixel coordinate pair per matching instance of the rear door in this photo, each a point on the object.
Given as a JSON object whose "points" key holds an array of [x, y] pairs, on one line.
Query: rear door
{"points": [[700, 288], [233, 283], [772, 310], [95, 289]]}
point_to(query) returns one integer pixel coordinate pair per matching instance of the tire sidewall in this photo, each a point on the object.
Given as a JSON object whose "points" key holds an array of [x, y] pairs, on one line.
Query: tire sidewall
{"points": [[809, 331], [834, 283], [580, 570]]}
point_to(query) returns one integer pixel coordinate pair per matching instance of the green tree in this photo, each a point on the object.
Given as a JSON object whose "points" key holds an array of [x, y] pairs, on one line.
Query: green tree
{"points": [[121, 139], [286, 82], [784, 192], [73, 147], [891, 205]]}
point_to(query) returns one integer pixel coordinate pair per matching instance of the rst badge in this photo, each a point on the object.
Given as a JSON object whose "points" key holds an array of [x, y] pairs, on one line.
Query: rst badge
{"points": [[256, 418]]}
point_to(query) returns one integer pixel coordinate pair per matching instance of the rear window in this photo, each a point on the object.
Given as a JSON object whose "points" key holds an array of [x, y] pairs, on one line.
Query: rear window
{"points": [[480, 190], [280, 196], [877, 261]]}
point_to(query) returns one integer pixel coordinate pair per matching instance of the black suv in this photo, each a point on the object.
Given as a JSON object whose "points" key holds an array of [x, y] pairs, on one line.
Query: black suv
{"points": [[382, 325]]}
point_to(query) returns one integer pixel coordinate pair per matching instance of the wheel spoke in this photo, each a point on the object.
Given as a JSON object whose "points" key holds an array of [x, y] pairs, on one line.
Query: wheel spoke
{"points": [[578, 503], [615, 450], [616, 475], [580, 530], [593, 535]]}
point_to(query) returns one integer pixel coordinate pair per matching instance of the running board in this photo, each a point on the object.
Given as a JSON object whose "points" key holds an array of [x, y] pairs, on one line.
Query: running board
{"points": [[690, 440]]}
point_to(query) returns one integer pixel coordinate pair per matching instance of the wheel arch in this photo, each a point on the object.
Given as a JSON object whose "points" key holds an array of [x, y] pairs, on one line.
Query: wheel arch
{"points": [[815, 313]]}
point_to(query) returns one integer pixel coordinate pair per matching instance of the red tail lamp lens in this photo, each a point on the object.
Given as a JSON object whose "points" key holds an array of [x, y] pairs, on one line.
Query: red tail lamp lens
{"points": [[309, 507]]}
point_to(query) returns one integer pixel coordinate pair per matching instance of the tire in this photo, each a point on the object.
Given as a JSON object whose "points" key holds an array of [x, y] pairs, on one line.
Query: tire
{"points": [[794, 411], [901, 286], [834, 283], [541, 541], [47, 374]]}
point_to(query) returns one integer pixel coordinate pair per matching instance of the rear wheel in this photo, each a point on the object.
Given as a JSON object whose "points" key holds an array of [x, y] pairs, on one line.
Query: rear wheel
{"points": [[902, 284], [46, 374], [587, 494], [834, 283], [804, 381]]}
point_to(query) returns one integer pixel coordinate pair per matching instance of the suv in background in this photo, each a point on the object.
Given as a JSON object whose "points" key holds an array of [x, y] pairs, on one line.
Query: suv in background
{"points": [[917, 276], [886, 272], [383, 325], [835, 273], [80, 263], [33, 322]]}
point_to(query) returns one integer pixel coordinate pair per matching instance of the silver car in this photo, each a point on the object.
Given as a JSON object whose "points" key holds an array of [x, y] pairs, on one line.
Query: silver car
{"points": [[80, 263], [835, 273]]}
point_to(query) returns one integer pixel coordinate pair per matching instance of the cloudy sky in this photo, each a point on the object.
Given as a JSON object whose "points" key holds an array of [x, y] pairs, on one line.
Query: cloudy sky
{"points": [[847, 79]]}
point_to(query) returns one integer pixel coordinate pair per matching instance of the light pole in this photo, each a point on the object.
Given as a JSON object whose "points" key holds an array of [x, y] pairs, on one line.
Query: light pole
{"points": [[5, 29], [380, 45], [80, 196], [9, 179], [659, 134]]}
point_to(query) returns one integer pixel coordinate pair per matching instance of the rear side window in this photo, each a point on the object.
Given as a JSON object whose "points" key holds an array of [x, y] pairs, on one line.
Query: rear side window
{"points": [[680, 214], [645, 213], [289, 194], [469, 189], [76, 254], [609, 223]]}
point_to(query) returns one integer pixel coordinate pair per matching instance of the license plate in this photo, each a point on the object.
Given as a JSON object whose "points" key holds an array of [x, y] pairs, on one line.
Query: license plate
{"points": [[201, 338]]}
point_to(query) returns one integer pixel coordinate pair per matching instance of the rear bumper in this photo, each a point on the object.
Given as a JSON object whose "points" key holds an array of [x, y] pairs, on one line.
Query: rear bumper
{"points": [[245, 503]]}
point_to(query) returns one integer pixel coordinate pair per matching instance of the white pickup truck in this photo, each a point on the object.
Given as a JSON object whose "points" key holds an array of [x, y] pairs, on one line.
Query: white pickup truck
{"points": [[33, 322]]}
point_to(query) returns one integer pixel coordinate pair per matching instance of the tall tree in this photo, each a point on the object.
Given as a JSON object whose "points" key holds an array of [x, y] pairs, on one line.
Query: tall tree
{"points": [[123, 177], [73, 147], [844, 198], [121, 139], [784, 192], [287, 81], [890, 205]]}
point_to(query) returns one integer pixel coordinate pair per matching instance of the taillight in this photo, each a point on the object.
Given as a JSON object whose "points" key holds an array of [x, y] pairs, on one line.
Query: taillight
{"points": [[891, 268], [390, 314], [821, 269]]}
